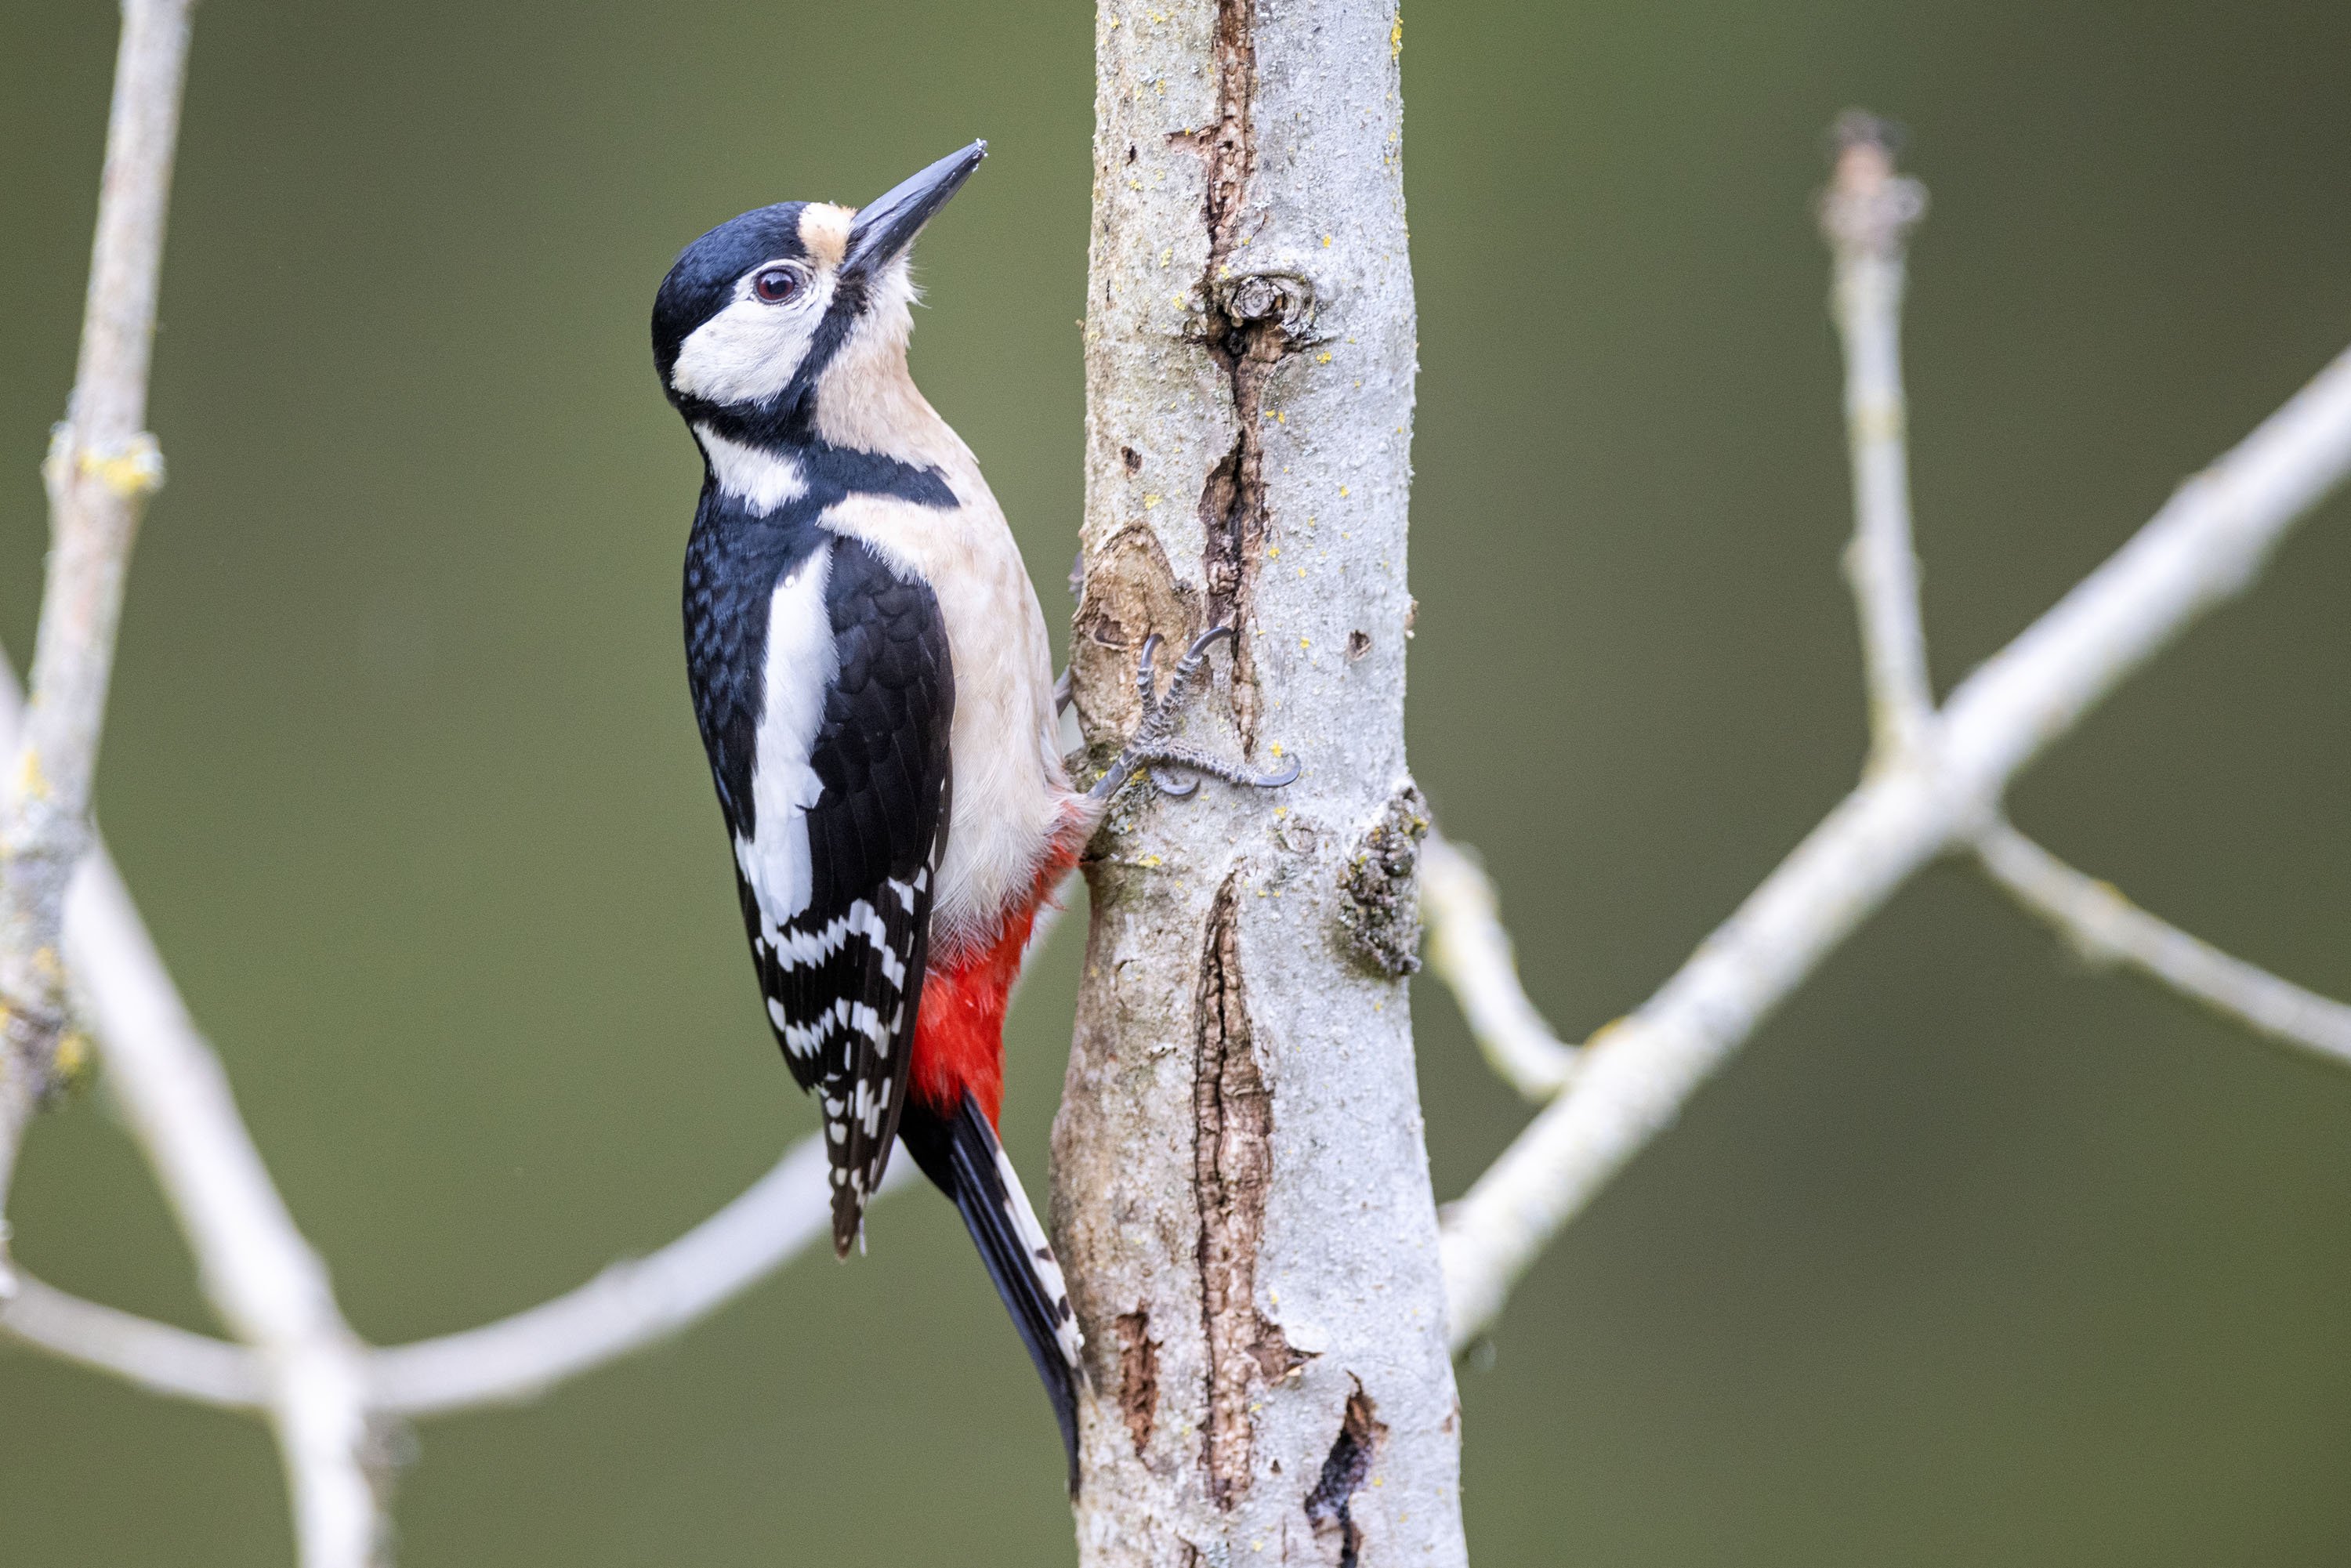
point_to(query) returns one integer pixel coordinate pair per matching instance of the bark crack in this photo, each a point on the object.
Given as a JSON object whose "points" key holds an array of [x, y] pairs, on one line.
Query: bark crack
{"points": [[1138, 1381], [1252, 322], [1232, 1173]]}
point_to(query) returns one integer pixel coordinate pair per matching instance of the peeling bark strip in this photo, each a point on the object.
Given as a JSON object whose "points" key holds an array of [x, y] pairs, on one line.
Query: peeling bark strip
{"points": [[1329, 1506], [1129, 592], [1233, 1171], [1138, 1376]]}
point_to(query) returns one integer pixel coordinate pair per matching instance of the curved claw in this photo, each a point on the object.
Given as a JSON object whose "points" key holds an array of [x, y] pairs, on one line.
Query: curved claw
{"points": [[1152, 751], [1209, 639], [1275, 781], [1147, 681], [1188, 668]]}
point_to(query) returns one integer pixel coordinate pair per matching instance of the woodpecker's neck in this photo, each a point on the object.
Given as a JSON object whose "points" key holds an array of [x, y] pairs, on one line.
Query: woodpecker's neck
{"points": [[870, 434], [862, 428], [866, 401]]}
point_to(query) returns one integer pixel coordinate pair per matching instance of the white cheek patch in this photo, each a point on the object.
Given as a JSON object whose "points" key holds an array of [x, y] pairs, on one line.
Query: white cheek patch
{"points": [[763, 480], [749, 350], [801, 664]]}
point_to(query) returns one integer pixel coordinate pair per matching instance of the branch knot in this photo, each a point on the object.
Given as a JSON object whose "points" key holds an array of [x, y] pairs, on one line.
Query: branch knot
{"points": [[132, 468], [1868, 210], [1281, 299]]}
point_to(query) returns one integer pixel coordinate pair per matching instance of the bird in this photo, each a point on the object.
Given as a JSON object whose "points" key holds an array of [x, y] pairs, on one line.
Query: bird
{"points": [[874, 687]]}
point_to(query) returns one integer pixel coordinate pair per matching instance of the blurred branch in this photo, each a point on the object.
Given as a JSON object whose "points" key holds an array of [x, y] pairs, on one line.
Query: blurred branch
{"points": [[2106, 928], [2205, 545], [154, 1356], [627, 1307], [1866, 214], [268, 1286], [101, 467], [304, 1368], [60, 892], [1471, 950]]}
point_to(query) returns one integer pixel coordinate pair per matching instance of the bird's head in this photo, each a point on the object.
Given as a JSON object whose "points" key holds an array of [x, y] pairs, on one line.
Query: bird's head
{"points": [[772, 313]]}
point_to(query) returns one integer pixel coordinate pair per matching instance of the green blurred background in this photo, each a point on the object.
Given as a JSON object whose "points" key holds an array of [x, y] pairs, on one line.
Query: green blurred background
{"points": [[1972, 1258]]}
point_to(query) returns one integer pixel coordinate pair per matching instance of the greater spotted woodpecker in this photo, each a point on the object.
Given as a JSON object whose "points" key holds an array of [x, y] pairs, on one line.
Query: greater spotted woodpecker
{"points": [[875, 689]]}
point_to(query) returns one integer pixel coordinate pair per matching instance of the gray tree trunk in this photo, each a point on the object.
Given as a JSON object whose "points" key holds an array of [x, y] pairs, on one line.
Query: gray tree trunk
{"points": [[1242, 1187]]}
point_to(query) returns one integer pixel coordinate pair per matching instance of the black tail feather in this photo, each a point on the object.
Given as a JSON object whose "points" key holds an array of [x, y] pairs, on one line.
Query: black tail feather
{"points": [[964, 1160]]}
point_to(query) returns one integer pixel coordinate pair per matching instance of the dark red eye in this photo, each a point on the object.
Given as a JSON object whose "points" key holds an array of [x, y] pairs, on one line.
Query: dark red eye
{"points": [[776, 285]]}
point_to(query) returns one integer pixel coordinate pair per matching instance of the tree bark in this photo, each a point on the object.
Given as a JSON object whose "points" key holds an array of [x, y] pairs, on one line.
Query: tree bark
{"points": [[1241, 1185]]}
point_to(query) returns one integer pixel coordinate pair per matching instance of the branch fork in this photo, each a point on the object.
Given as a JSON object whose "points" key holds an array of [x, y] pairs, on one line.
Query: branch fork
{"points": [[1934, 784]]}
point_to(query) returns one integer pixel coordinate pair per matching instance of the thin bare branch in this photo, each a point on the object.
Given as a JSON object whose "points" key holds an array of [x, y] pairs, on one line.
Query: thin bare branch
{"points": [[2107, 928], [268, 1286], [1471, 950], [154, 1356], [178, 1101], [2206, 544], [101, 467], [257, 1270], [627, 1307], [1866, 216], [121, 985]]}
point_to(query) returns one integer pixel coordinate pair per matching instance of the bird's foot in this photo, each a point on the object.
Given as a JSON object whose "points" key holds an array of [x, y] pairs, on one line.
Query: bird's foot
{"points": [[1153, 746]]}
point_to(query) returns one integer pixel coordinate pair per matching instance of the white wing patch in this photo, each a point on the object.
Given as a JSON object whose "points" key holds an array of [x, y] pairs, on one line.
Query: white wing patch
{"points": [[801, 664]]}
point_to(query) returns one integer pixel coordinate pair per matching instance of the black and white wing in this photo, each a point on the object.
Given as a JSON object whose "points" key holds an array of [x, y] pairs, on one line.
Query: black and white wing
{"points": [[837, 855]]}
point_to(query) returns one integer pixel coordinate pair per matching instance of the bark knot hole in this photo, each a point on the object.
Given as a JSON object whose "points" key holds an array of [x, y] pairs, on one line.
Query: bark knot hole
{"points": [[1266, 315]]}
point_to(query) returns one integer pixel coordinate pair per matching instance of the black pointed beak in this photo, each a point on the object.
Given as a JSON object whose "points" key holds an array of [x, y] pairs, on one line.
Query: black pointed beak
{"points": [[886, 225]]}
